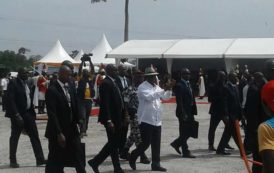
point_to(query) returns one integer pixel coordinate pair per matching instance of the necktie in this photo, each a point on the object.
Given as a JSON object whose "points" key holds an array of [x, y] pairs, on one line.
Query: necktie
{"points": [[66, 86], [190, 90], [67, 93], [125, 83]]}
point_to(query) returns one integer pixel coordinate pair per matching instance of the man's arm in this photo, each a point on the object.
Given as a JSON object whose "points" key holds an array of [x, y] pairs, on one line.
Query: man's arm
{"points": [[11, 105], [51, 110]]}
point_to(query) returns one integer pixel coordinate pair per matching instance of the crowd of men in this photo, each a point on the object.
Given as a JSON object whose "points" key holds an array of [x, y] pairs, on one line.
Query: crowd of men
{"points": [[135, 101]]}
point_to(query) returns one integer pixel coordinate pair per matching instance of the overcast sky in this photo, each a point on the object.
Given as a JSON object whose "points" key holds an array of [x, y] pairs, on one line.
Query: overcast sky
{"points": [[37, 24]]}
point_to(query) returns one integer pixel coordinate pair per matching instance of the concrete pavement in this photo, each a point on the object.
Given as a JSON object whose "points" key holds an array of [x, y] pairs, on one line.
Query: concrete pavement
{"points": [[206, 161]]}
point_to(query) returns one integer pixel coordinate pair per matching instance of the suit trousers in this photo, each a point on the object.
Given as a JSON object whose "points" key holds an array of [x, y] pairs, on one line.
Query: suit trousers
{"points": [[31, 129], [229, 131], [214, 122], [59, 157], [151, 135], [110, 148], [181, 141], [85, 109]]}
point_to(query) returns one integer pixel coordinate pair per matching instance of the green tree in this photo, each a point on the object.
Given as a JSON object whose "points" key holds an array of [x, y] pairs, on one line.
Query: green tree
{"points": [[12, 61]]}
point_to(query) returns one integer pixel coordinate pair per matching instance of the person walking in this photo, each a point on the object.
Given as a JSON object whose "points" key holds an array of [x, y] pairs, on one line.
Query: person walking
{"points": [[233, 112], [149, 117], [62, 132], [135, 135], [112, 117], [185, 110], [21, 112], [217, 108]]}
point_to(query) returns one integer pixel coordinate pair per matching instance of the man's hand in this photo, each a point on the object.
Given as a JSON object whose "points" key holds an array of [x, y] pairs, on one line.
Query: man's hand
{"points": [[226, 119], [19, 120], [61, 139], [110, 126]]}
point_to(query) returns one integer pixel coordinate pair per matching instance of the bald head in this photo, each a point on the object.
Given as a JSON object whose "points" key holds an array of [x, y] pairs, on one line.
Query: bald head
{"points": [[111, 70], [221, 76], [64, 73], [185, 73], [68, 63], [122, 70], [269, 69]]}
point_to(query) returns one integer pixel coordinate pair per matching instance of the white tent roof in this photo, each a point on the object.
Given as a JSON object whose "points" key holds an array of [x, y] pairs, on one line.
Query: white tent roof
{"points": [[79, 56], [241, 48], [100, 51], [56, 56], [142, 49], [199, 48], [251, 48]]}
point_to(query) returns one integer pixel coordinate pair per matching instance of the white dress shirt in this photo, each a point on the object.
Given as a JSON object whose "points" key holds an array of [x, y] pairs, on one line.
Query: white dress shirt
{"points": [[149, 109]]}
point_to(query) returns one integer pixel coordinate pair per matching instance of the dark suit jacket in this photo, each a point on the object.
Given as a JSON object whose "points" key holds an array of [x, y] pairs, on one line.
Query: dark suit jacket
{"points": [[253, 110], [120, 85], [82, 88], [186, 105], [232, 102], [216, 96], [59, 113], [111, 103], [17, 99]]}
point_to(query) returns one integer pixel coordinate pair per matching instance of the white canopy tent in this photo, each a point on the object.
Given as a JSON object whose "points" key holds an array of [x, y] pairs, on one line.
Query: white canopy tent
{"points": [[141, 49], [251, 51], [199, 48], [55, 56], [225, 51], [99, 52]]}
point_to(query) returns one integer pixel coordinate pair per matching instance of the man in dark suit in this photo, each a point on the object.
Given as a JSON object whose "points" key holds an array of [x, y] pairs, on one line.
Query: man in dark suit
{"points": [[21, 112], [233, 112], [217, 108], [112, 117], [254, 115], [123, 83], [185, 111], [62, 131]]}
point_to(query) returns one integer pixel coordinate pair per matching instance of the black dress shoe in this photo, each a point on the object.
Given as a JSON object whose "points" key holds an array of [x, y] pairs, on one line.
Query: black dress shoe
{"points": [[41, 162], [177, 149], [132, 162], [124, 155], [223, 152], [119, 171], [93, 166], [188, 155], [14, 165], [158, 168], [211, 148], [229, 147], [144, 159]]}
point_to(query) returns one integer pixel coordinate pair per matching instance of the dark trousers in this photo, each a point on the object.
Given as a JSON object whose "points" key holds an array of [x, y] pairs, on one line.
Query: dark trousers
{"points": [[110, 148], [181, 141], [151, 135], [85, 109], [4, 100], [41, 106], [59, 157], [31, 129], [229, 131], [123, 138], [214, 122]]}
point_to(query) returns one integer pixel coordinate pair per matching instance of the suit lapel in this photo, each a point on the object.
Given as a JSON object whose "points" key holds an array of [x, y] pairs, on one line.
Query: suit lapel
{"points": [[60, 90]]}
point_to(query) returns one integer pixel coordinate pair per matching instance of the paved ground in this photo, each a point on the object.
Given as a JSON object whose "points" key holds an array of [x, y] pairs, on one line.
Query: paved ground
{"points": [[206, 162]]}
